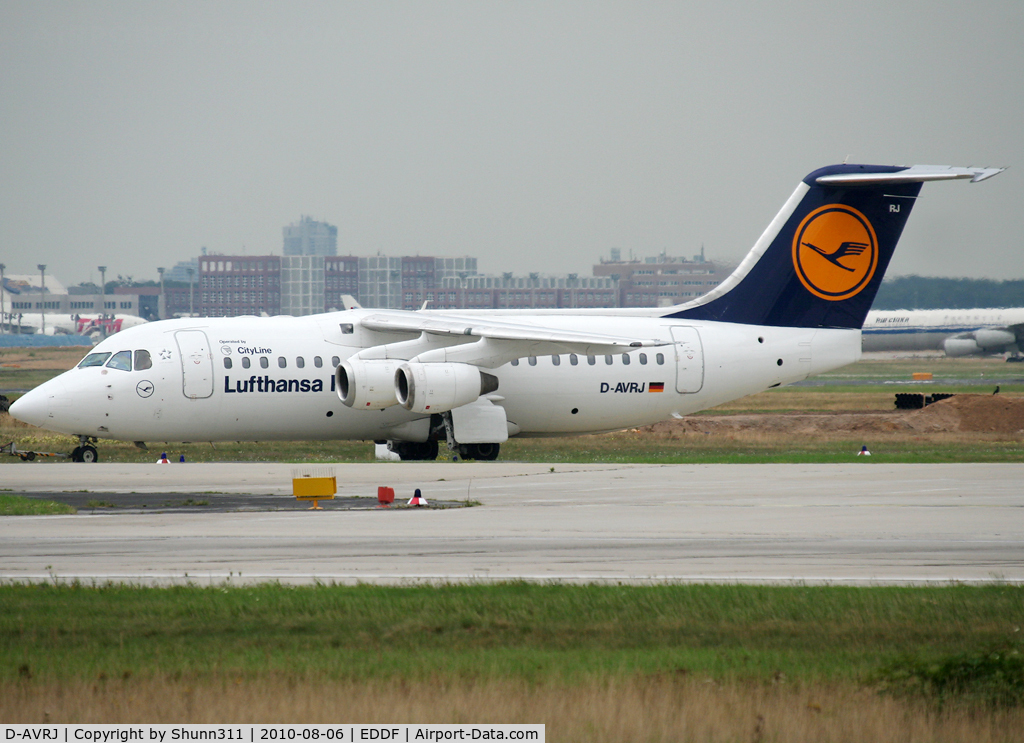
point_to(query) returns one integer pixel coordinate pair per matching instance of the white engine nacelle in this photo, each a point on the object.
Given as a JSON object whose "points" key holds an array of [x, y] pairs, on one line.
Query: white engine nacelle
{"points": [[960, 346], [437, 388], [994, 338], [367, 385]]}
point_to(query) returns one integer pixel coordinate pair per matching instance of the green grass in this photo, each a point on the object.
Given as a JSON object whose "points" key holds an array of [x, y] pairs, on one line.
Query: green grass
{"points": [[698, 449], [15, 505], [514, 630], [692, 448]]}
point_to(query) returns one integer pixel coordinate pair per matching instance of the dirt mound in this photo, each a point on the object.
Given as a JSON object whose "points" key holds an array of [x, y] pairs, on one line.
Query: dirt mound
{"points": [[982, 413], [963, 413]]}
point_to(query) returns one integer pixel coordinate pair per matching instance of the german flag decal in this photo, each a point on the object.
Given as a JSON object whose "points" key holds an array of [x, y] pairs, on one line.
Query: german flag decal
{"points": [[656, 387]]}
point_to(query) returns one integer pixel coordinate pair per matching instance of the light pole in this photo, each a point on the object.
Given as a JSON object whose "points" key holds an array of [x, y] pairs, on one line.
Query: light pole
{"points": [[190, 272], [103, 288], [2, 315], [42, 304], [162, 300]]}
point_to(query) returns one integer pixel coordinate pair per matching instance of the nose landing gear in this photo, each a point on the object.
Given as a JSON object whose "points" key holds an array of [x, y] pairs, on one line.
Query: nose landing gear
{"points": [[85, 451]]}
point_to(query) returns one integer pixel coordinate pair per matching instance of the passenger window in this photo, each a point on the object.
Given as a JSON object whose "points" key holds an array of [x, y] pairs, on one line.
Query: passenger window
{"points": [[227, 362], [515, 362], [335, 361], [625, 359], [318, 362], [281, 362], [573, 359], [608, 360], [591, 360], [556, 360], [532, 360], [264, 362], [94, 359], [300, 362], [246, 362], [661, 358], [143, 360], [643, 358], [121, 360]]}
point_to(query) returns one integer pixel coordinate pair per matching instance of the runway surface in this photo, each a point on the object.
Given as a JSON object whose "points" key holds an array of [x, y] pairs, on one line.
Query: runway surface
{"points": [[862, 523]]}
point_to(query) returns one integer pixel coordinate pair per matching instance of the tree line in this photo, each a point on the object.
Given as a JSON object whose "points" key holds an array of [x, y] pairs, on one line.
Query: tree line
{"points": [[933, 293]]}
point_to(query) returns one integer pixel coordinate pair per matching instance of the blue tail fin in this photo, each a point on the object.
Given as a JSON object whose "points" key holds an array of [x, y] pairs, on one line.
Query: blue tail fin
{"points": [[821, 260]]}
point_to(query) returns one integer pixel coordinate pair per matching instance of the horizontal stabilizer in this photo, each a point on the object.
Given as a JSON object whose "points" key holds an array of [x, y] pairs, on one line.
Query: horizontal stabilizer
{"points": [[912, 174]]}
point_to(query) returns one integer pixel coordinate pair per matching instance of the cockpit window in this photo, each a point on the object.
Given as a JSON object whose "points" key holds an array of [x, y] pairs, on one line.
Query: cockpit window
{"points": [[143, 360], [94, 359], [121, 360]]}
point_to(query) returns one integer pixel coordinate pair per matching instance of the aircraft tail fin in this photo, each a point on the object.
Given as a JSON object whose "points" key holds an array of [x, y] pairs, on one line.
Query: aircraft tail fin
{"points": [[821, 260]]}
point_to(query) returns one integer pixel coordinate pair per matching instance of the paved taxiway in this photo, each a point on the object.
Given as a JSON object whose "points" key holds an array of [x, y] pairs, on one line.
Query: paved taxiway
{"points": [[861, 522]]}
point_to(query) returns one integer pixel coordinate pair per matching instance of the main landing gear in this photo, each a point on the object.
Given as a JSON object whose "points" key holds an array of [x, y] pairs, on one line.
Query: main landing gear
{"points": [[412, 451], [483, 452], [85, 451]]}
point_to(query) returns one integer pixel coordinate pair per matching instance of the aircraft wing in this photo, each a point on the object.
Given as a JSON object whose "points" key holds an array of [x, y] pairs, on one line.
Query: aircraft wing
{"points": [[489, 343]]}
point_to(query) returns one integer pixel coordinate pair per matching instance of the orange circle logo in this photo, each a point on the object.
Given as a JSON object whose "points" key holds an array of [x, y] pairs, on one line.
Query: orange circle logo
{"points": [[835, 252]]}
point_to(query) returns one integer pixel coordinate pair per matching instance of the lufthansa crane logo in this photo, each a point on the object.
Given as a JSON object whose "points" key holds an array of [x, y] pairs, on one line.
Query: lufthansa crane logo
{"points": [[835, 252]]}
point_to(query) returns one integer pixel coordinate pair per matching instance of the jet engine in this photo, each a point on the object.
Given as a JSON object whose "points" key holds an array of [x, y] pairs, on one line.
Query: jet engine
{"points": [[983, 341], [960, 346], [437, 387], [994, 338], [367, 385]]}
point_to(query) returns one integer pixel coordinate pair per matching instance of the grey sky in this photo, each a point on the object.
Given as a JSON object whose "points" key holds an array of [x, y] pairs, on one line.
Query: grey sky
{"points": [[534, 135]]}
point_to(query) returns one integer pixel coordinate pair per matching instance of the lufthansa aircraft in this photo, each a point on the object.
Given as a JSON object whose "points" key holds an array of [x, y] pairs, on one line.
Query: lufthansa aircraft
{"points": [[793, 307]]}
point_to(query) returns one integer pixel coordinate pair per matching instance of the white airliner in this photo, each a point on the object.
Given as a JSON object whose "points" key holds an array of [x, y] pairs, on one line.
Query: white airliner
{"points": [[94, 326], [793, 307], [955, 332]]}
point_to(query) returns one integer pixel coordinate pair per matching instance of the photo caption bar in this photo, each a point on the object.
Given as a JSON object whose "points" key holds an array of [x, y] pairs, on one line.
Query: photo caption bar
{"points": [[268, 733]]}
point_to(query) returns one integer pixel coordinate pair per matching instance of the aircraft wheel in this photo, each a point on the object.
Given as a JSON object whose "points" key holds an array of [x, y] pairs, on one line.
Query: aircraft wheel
{"points": [[482, 452], [89, 454], [411, 451], [76, 454]]}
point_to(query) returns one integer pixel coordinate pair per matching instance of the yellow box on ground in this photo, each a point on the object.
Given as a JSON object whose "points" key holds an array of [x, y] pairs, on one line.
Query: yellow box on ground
{"points": [[314, 483], [921, 376]]}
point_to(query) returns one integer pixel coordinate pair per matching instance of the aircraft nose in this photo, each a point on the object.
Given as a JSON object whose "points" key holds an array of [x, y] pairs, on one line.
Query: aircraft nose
{"points": [[33, 407]]}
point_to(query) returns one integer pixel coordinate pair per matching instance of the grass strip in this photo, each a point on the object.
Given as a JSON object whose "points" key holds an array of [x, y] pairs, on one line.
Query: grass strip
{"points": [[16, 505], [530, 632]]}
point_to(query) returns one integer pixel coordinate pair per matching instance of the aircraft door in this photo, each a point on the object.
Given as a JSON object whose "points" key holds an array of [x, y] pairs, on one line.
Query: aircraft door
{"points": [[196, 363], [689, 359]]}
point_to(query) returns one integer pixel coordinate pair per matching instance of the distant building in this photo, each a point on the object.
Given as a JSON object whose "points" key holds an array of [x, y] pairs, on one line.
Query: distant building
{"points": [[661, 281], [309, 237], [518, 292], [180, 270], [228, 286], [302, 285], [341, 276], [403, 282]]}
